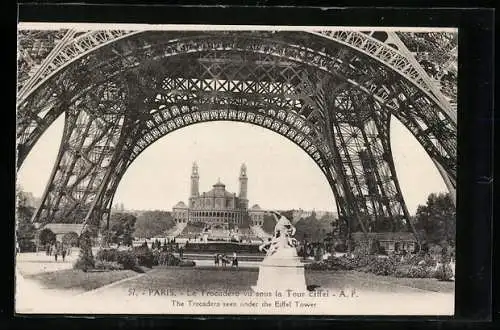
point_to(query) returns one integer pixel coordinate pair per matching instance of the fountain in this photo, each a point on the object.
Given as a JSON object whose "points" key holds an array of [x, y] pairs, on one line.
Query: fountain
{"points": [[281, 269], [204, 235]]}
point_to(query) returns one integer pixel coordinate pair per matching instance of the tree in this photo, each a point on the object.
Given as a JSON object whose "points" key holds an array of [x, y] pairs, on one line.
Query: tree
{"points": [[85, 260], [437, 219], [246, 222], [269, 223], [153, 223], [25, 230], [47, 236], [70, 238], [312, 229], [121, 228]]}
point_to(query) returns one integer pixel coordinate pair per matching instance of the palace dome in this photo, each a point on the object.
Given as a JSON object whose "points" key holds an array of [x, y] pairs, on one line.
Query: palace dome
{"points": [[180, 205], [219, 184]]}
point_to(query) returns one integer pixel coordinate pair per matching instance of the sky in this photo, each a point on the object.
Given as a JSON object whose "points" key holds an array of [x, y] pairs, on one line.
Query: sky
{"points": [[280, 175]]}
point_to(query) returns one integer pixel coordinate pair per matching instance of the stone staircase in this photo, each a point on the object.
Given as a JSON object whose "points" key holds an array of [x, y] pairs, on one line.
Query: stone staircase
{"points": [[189, 231], [176, 230]]}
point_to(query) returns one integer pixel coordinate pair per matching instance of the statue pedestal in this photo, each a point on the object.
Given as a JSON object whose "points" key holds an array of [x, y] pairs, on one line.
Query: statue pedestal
{"points": [[281, 271]]}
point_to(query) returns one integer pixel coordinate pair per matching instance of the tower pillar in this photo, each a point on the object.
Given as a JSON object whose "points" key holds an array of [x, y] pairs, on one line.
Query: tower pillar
{"points": [[195, 181], [243, 186]]}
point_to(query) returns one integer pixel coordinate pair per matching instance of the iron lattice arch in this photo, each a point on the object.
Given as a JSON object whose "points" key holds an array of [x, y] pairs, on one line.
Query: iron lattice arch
{"points": [[332, 100]]}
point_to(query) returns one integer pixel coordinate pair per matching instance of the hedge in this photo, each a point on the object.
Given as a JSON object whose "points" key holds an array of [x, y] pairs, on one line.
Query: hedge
{"points": [[108, 265], [417, 267], [225, 247], [128, 259], [165, 259], [444, 273]]}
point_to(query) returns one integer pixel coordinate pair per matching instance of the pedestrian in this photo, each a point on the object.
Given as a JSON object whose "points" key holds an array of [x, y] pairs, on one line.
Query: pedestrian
{"points": [[63, 252], [235, 260], [224, 260], [55, 255]]}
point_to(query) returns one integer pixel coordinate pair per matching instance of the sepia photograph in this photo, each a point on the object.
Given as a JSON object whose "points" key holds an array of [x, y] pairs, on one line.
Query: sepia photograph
{"points": [[235, 170]]}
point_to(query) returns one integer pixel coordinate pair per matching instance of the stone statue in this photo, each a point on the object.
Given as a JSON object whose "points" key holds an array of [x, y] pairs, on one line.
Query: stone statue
{"points": [[281, 269], [283, 236]]}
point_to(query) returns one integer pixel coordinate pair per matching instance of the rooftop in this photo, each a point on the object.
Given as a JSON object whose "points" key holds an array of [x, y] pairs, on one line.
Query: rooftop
{"points": [[63, 228]]}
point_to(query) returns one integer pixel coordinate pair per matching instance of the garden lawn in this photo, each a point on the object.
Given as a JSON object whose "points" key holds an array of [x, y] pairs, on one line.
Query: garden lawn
{"points": [[429, 284], [199, 278], [241, 279], [376, 282], [231, 278], [78, 280]]}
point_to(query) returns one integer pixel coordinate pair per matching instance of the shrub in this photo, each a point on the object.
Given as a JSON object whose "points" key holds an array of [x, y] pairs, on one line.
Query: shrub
{"points": [[429, 260], [172, 260], [452, 251], [85, 259], [26, 245], [144, 257], [164, 258], [374, 247], [317, 255], [46, 236], [362, 248], [402, 271], [341, 263], [107, 255], [413, 260], [156, 257], [445, 256], [83, 265], [362, 262], [187, 263], [444, 273], [382, 266], [108, 265], [340, 247], [127, 259], [420, 272], [410, 271], [70, 239], [320, 265], [435, 250], [223, 248], [169, 259], [367, 263], [416, 260]]}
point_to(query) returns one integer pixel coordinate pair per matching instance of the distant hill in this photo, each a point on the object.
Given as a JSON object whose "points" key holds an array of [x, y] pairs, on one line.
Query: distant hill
{"points": [[31, 200], [153, 223]]}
